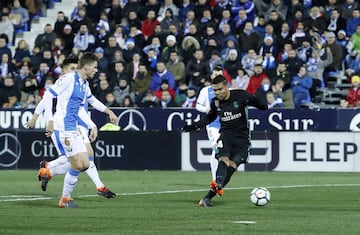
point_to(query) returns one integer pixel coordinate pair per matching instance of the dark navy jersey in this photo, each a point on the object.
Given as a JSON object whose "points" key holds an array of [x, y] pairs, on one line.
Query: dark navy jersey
{"points": [[233, 112]]}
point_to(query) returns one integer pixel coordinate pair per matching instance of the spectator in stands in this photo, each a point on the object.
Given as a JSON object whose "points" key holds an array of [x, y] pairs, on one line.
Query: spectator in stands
{"points": [[103, 88], [176, 67], [232, 63], [256, 78], [316, 20], [191, 98], [4, 49], [184, 8], [155, 45], [305, 50], [44, 40], [160, 75], [167, 100], [300, 85], [279, 6], [81, 19], [293, 63], [110, 100], [188, 47], [206, 20], [249, 60], [247, 5], [264, 88], [21, 51], [170, 46], [336, 22], [9, 87], [241, 81], [130, 6], [119, 35], [67, 36], [133, 67], [61, 21], [141, 83], [134, 20], [215, 60], [197, 70], [352, 63], [276, 21], [167, 4], [190, 20], [121, 90], [344, 104], [164, 86], [6, 27], [116, 12], [94, 8], [169, 19], [130, 50], [260, 27], [103, 62], [353, 94], [35, 58], [352, 23], [224, 34], [273, 100], [20, 16], [347, 8], [148, 25], [31, 101], [101, 37], [336, 51], [118, 74], [43, 74], [248, 39], [111, 47], [13, 103], [149, 100], [127, 102], [75, 12], [151, 60], [7, 68], [283, 73], [315, 67], [47, 58], [103, 22], [240, 20], [84, 40], [57, 48], [284, 92]]}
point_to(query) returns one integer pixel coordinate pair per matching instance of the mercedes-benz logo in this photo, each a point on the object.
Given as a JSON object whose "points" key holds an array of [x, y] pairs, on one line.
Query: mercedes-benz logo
{"points": [[10, 150], [135, 120]]}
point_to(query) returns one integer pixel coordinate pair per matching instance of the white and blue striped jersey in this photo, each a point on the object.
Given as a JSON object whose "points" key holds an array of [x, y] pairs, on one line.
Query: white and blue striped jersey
{"points": [[71, 92], [203, 103]]}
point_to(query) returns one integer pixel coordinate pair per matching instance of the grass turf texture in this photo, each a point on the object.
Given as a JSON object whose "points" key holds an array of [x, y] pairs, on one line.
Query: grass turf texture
{"points": [[301, 203]]}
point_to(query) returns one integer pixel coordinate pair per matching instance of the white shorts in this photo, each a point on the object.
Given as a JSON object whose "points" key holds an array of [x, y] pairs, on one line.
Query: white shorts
{"points": [[68, 143], [84, 132], [213, 135]]}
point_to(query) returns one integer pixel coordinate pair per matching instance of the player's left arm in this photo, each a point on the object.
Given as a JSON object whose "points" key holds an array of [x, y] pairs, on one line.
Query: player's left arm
{"points": [[252, 100], [101, 107]]}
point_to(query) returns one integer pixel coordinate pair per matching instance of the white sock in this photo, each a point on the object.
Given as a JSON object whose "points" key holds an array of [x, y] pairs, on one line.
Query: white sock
{"points": [[57, 162], [60, 170], [70, 181], [93, 174], [213, 165]]}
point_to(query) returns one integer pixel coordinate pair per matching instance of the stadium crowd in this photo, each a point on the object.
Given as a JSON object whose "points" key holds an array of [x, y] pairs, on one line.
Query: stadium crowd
{"points": [[160, 53]]}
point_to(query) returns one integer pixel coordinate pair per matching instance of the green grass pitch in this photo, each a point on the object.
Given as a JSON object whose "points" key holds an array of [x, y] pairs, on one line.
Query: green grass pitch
{"points": [[165, 202]]}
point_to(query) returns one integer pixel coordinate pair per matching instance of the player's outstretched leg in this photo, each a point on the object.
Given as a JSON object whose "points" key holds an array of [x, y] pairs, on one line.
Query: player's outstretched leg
{"points": [[44, 175], [93, 173]]}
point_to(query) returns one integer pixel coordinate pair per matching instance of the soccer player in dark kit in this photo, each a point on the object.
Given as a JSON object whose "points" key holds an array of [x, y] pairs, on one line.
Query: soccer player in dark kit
{"points": [[234, 143]]}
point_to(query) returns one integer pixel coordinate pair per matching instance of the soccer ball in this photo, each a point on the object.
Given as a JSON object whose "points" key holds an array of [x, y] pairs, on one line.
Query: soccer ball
{"points": [[260, 196]]}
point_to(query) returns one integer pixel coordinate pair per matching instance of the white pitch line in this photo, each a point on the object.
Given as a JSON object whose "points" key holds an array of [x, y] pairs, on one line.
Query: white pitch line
{"points": [[13, 198]]}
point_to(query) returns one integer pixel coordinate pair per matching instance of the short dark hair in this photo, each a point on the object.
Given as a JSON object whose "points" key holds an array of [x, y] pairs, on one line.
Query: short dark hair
{"points": [[70, 60], [87, 58], [219, 79]]}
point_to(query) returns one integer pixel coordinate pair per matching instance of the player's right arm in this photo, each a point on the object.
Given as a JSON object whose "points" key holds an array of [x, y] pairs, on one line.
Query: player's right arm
{"points": [[61, 85], [208, 118], [202, 103]]}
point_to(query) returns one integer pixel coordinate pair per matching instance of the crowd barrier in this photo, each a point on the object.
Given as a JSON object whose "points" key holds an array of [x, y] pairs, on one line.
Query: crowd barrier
{"points": [[174, 150]]}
